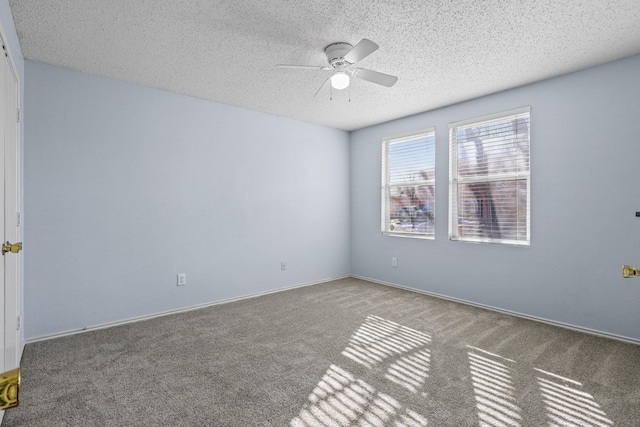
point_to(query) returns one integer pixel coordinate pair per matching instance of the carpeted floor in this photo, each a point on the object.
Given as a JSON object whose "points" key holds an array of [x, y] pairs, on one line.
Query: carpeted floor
{"points": [[342, 353]]}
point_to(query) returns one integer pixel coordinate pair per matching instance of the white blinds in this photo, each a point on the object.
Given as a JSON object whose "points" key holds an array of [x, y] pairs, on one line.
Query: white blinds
{"points": [[408, 185], [489, 178]]}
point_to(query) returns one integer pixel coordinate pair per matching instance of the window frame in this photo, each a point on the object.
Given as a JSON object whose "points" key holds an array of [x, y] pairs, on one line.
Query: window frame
{"points": [[455, 180], [386, 185]]}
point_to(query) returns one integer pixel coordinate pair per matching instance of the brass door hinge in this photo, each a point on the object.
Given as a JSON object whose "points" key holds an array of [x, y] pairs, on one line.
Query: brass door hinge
{"points": [[9, 389]]}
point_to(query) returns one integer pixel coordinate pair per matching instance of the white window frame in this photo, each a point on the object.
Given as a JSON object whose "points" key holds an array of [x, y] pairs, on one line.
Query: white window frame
{"points": [[455, 180], [386, 185]]}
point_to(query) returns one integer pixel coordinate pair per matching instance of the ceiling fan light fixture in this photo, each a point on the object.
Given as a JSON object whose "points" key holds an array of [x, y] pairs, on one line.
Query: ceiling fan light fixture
{"points": [[340, 80], [342, 58]]}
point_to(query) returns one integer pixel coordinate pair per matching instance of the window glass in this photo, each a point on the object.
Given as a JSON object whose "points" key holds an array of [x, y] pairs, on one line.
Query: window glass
{"points": [[490, 176], [408, 185]]}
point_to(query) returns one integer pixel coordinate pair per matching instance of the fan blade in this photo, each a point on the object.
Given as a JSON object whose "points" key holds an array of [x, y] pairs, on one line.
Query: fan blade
{"points": [[375, 77], [304, 67], [323, 84], [360, 51]]}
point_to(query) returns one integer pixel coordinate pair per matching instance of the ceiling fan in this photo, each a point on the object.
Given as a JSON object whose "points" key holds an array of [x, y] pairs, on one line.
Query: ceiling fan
{"points": [[342, 58]]}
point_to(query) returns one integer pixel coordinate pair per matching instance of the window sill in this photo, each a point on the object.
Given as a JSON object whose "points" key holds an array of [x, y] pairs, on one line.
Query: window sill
{"points": [[409, 235]]}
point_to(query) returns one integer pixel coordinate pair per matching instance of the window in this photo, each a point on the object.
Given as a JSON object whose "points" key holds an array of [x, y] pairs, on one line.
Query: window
{"points": [[408, 185], [489, 179]]}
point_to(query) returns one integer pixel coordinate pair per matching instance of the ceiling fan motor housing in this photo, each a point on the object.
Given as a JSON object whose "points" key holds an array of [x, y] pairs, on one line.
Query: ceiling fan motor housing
{"points": [[336, 52]]}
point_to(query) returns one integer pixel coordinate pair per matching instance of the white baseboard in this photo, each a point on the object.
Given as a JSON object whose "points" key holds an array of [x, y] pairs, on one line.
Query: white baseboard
{"points": [[178, 310], [511, 313]]}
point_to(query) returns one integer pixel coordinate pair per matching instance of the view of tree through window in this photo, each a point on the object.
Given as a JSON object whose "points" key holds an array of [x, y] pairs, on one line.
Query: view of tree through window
{"points": [[490, 179], [408, 185]]}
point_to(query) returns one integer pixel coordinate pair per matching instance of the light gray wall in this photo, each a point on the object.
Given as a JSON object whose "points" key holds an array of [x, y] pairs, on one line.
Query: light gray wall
{"points": [[126, 186], [585, 190]]}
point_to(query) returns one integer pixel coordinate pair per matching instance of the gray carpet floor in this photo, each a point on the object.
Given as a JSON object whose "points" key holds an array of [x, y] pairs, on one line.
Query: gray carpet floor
{"points": [[341, 353]]}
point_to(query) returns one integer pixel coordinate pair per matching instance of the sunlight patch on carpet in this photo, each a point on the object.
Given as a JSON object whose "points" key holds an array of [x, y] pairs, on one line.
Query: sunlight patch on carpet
{"points": [[410, 371], [379, 340], [567, 405], [494, 389], [340, 399]]}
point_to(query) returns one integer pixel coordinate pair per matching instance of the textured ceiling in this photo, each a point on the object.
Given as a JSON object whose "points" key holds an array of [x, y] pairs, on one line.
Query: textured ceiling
{"points": [[443, 51]]}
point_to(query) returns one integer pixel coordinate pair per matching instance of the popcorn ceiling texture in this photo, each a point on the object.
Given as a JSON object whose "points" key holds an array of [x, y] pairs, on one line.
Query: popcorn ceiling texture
{"points": [[443, 51]]}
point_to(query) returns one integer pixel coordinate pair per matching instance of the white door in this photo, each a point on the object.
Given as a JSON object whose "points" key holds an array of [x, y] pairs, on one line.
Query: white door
{"points": [[5, 70], [11, 220], [10, 342], [10, 347]]}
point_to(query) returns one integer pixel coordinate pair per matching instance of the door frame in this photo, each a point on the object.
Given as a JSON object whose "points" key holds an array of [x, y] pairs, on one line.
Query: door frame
{"points": [[13, 310]]}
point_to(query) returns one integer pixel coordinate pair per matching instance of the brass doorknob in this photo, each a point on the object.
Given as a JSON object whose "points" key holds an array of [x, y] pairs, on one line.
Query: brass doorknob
{"points": [[628, 271], [11, 247]]}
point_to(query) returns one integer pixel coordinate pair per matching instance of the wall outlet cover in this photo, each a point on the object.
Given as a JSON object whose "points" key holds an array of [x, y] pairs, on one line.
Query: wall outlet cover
{"points": [[182, 279]]}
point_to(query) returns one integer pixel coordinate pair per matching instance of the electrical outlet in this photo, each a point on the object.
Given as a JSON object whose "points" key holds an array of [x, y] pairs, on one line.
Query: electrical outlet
{"points": [[182, 279], [283, 265], [394, 262]]}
